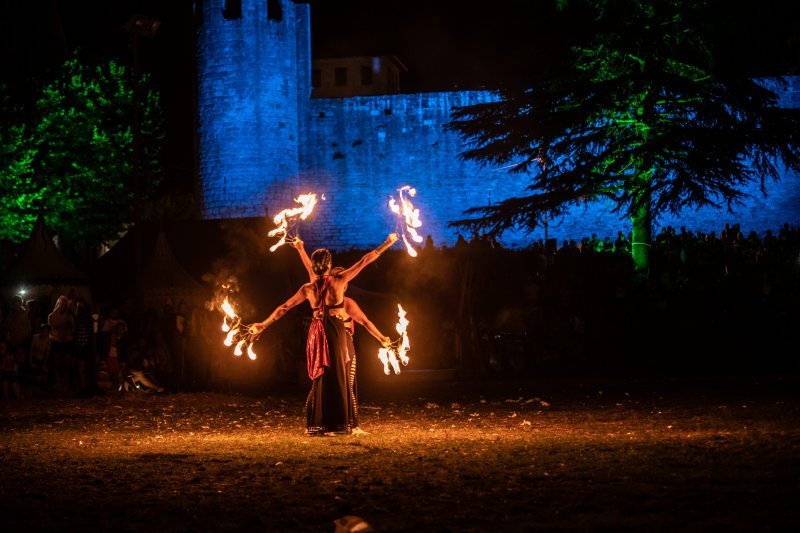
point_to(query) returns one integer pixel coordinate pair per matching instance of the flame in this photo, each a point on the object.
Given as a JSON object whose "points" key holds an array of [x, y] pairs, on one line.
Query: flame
{"points": [[237, 332], [388, 357], [238, 350], [393, 356], [282, 219], [227, 308], [410, 216], [229, 338], [383, 355], [402, 329]]}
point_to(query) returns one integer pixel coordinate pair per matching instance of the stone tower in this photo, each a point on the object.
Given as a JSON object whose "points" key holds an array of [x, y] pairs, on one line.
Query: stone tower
{"points": [[253, 82]]}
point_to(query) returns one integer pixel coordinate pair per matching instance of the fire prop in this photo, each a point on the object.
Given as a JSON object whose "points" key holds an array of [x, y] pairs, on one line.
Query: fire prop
{"points": [[237, 332], [292, 216], [396, 352], [405, 209]]}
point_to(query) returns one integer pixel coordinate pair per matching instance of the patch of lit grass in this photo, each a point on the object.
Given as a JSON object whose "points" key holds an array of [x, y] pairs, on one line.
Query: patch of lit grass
{"points": [[426, 463]]}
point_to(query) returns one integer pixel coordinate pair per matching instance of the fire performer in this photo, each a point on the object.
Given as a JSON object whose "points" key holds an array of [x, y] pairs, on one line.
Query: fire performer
{"points": [[330, 403], [354, 314]]}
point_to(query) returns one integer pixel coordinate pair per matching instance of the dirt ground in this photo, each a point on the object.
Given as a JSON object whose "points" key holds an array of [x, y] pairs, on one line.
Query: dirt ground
{"points": [[566, 454]]}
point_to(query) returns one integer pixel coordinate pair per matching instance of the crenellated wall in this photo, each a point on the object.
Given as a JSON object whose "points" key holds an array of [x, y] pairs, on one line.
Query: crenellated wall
{"points": [[263, 140]]}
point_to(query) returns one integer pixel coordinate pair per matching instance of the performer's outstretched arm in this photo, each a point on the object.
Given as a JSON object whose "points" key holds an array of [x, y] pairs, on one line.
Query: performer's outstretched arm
{"points": [[369, 257], [298, 245], [298, 298], [352, 309]]}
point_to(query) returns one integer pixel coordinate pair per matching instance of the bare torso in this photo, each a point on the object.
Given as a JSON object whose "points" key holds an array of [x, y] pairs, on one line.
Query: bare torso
{"points": [[334, 295]]}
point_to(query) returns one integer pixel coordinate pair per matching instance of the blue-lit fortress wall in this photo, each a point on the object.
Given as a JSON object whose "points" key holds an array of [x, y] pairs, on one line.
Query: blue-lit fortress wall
{"points": [[253, 78], [264, 140], [361, 149]]}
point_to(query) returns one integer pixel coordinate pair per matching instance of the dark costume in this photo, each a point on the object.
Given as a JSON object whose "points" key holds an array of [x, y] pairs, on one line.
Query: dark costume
{"points": [[351, 370], [330, 407]]}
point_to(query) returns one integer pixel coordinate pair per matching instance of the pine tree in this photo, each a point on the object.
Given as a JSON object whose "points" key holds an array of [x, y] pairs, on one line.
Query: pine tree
{"points": [[641, 117]]}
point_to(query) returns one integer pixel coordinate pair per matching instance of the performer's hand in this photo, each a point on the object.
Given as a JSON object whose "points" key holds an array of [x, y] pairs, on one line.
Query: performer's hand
{"points": [[387, 342], [257, 328], [390, 240], [296, 243]]}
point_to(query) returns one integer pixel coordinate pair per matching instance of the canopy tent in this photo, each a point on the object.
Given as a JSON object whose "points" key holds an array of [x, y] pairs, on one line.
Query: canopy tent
{"points": [[163, 278], [40, 269], [174, 257]]}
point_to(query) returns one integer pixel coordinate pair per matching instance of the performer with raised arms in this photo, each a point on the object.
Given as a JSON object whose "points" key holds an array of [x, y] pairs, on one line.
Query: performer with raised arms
{"points": [[330, 404], [355, 315]]}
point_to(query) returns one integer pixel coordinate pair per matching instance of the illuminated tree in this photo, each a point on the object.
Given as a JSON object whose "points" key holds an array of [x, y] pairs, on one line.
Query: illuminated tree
{"points": [[641, 117], [83, 152], [20, 196]]}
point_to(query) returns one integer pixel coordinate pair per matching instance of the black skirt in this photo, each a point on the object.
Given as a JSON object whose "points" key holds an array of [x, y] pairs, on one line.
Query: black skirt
{"points": [[330, 407]]}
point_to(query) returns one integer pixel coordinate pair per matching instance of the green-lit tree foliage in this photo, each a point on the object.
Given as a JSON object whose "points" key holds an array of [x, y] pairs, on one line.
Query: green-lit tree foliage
{"points": [[17, 189], [641, 117], [83, 162]]}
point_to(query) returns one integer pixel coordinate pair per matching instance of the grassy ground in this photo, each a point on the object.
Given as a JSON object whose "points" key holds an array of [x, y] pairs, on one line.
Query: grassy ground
{"points": [[696, 454]]}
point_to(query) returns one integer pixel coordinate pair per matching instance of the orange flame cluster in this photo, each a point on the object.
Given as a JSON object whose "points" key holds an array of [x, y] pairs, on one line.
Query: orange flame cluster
{"points": [[396, 353], [282, 219], [410, 215], [236, 331]]}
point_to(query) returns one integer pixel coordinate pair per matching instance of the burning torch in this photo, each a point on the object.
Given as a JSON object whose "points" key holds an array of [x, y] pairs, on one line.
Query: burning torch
{"points": [[395, 353], [292, 217], [237, 333], [409, 215]]}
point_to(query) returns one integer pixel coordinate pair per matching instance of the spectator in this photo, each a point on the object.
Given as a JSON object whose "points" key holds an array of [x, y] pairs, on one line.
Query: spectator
{"points": [[62, 335], [39, 355], [9, 375], [82, 365], [114, 362], [112, 321], [18, 325], [36, 314]]}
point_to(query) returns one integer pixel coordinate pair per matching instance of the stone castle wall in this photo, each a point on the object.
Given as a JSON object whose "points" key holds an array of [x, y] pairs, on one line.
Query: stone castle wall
{"points": [[360, 150], [263, 140]]}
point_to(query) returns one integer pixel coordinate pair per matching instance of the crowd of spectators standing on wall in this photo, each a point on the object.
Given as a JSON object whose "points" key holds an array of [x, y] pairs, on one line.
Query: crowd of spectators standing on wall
{"points": [[486, 310]]}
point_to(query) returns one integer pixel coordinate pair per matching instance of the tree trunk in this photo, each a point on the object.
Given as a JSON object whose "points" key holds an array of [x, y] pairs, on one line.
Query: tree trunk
{"points": [[641, 234]]}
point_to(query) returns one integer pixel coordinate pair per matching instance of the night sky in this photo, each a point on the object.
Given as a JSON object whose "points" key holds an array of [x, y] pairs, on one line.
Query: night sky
{"points": [[445, 44]]}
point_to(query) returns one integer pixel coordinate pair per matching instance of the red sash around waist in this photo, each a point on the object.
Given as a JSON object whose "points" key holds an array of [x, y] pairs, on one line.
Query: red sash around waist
{"points": [[317, 356]]}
